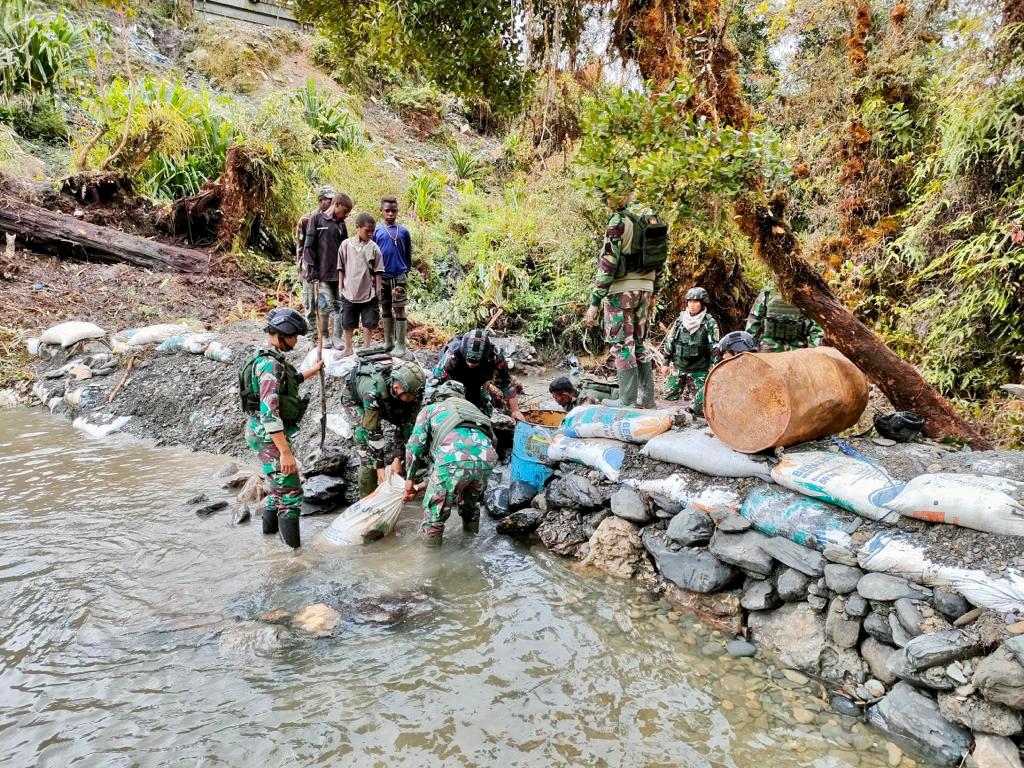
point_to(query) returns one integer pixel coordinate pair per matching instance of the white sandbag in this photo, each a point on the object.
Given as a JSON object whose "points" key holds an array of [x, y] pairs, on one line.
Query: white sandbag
{"points": [[597, 453], [216, 351], [626, 424], [32, 345], [369, 519], [899, 554], [700, 450], [680, 489], [858, 486], [100, 430], [335, 364], [71, 332], [152, 334], [982, 502], [196, 343]]}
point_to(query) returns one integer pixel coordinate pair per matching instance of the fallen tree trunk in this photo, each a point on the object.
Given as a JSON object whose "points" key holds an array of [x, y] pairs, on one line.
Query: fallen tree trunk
{"points": [[776, 245], [69, 238]]}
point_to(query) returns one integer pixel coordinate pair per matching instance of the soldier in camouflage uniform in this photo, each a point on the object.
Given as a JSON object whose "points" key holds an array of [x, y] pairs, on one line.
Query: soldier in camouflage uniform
{"points": [[777, 325], [269, 389], [472, 360], [690, 346], [628, 299], [375, 394], [456, 437]]}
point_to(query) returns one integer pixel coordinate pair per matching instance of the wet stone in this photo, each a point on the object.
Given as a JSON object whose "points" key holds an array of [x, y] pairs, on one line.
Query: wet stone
{"points": [[694, 569], [521, 522], [205, 510], [844, 706], [914, 718], [711, 649], [741, 648]]}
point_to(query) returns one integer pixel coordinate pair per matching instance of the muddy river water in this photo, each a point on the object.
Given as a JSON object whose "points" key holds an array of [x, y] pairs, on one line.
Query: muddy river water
{"points": [[124, 621]]}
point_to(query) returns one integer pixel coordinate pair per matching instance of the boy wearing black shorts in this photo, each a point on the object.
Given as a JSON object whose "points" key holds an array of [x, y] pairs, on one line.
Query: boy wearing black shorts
{"points": [[360, 273]]}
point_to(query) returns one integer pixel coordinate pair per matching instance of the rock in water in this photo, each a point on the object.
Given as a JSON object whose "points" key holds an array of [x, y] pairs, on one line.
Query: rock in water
{"points": [[324, 490], [694, 569], [794, 633], [914, 719], [252, 638], [995, 752], [241, 514], [520, 523], [252, 492], [691, 527], [628, 504], [740, 648], [616, 549], [206, 510], [317, 619], [1000, 678], [978, 715]]}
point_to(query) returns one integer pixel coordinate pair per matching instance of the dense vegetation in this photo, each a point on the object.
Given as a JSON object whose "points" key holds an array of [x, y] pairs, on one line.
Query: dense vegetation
{"points": [[891, 131]]}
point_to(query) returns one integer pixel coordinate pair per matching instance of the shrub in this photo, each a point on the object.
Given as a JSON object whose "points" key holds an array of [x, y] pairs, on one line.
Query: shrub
{"points": [[465, 164], [40, 53], [334, 126], [424, 194]]}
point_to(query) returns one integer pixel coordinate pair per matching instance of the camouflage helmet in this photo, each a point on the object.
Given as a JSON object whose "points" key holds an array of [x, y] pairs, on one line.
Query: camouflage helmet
{"points": [[450, 388], [474, 346], [326, 192], [698, 294], [410, 377]]}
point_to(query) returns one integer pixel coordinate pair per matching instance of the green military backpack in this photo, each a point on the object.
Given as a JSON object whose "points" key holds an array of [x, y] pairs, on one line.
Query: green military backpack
{"points": [[374, 363], [293, 407], [648, 248]]}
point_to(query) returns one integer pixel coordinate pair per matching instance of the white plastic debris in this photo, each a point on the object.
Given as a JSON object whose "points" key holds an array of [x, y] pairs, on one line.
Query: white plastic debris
{"points": [[100, 430], [71, 332]]}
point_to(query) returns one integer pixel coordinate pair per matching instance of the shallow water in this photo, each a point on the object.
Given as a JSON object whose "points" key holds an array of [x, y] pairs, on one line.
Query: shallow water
{"points": [[119, 612]]}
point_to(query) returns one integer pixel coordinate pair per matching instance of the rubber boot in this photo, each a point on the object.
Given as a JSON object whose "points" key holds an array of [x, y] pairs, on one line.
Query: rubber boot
{"points": [[389, 333], [471, 526], [289, 530], [432, 542], [646, 387], [401, 329], [269, 521], [629, 381], [366, 481]]}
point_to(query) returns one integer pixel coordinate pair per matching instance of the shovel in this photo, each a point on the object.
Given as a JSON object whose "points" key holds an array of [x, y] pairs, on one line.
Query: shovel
{"points": [[319, 357]]}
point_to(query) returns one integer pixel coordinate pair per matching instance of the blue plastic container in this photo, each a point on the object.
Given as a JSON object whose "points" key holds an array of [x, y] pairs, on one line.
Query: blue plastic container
{"points": [[530, 444]]}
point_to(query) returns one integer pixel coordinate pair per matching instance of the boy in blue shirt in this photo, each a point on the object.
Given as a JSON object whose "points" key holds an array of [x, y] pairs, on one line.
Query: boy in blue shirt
{"points": [[395, 244]]}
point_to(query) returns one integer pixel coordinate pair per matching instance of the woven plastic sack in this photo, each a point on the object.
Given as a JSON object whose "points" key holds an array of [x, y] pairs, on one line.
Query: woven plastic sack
{"points": [[626, 424], [368, 519], [597, 453], [700, 450], [71, 332], [153, 334], [806, 521], [982, 502], [851, 484]]}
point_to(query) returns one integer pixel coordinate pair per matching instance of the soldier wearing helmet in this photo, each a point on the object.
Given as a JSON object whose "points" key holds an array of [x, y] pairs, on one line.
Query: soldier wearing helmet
{"points": [[453, 437], [474, 361], [690, 347], [736, 343], [380, 390], [778, 326], [269, 389]]}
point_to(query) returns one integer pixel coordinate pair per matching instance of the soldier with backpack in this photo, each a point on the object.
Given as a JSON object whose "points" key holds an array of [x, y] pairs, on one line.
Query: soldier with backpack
{"points": [[380, 389], [269, 389], [456, 437], [778, 326], [635, 251], [690, 346]]}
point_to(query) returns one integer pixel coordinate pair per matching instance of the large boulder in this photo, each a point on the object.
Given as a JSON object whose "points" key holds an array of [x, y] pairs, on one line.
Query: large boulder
{"points": [[743, 550], [914, 721], [694, 569], [794, 634], [616, 549], [1000, 678], [324, 490], [978, 715], [721, 611], [317, 619]]}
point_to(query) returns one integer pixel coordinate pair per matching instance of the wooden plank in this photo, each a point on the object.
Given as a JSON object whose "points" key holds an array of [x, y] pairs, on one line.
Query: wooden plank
{"points": [[264, 13]]}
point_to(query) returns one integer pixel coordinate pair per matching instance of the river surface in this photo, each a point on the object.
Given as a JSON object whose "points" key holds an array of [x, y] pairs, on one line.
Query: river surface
{"points": [[124, 620]]}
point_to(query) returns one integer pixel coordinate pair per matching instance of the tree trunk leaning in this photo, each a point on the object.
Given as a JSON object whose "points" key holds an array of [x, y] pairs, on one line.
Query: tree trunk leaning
{"points": [[778, 247]]}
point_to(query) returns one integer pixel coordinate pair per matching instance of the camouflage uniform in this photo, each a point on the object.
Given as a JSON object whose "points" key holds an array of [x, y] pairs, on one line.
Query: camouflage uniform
{"points": [[284, 492], [805, 333], [690, 369], [462, 461], [494, 369], [627, 299]]}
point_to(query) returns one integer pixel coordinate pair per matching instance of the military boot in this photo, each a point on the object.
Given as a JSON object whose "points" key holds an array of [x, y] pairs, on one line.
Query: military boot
{"points": [[289, 530], [389, 333], [629, 381], [269, 520], [646, 374], [401, 329], [366, 481], [471, 524]]}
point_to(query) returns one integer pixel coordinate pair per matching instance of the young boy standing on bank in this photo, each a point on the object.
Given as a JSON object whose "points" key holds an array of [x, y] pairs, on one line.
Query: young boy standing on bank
{"points": [[395, 244], [360, 274]]}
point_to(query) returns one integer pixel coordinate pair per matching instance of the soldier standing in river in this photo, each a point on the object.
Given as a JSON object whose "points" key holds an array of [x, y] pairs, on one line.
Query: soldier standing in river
{"points": [[472, 360], [379, 392], [269, 389], [777, 325], [456, 437]]}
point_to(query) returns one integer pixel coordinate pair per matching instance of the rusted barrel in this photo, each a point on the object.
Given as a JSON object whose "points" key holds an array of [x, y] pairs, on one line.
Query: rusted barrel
{"points": [[757, 401]]}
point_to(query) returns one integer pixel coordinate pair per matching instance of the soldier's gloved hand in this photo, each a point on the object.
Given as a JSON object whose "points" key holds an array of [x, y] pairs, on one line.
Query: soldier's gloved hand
{"points": [[590, 319]]}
